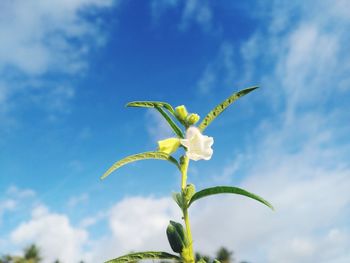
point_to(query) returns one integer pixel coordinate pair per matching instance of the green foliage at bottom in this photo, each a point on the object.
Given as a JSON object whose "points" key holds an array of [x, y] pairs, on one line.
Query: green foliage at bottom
{"points": [[132, 257]]}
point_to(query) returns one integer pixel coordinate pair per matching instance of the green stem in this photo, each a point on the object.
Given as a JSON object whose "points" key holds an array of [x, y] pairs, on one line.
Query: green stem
{"points": [[184, 161], [184, 167]]}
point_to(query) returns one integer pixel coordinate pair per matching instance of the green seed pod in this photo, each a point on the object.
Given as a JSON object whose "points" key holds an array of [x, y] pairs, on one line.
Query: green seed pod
{"points": [[192, 118], [176, 236]]}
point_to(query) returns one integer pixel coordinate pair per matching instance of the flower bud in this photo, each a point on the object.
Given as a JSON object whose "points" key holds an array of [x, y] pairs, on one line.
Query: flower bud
{"points": [[192, 118], [169, 145], [181, 112], [189, 191], [176, 236]]}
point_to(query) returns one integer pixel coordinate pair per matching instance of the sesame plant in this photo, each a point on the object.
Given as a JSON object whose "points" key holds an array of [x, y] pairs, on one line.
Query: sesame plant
{"points": [[197, 147]]}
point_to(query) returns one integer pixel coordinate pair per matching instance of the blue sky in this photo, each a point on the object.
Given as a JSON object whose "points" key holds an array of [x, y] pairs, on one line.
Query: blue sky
{"points": [[68, 68]]}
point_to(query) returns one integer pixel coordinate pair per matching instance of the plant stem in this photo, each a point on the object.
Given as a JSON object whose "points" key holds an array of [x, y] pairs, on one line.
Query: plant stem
{"points": [[184, 167], [184, 161], [189, 236]]}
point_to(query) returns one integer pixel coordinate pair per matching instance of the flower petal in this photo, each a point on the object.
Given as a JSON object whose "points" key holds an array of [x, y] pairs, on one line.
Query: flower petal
{"points": [[198, 146], [192, 131], [169, 145]]}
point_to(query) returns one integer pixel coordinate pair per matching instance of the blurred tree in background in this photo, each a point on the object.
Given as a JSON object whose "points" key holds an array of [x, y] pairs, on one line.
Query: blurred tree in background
{"points": [[31, 254], [223, 255]]}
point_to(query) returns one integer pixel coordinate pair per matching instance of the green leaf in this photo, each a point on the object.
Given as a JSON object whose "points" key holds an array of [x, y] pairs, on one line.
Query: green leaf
{"points": [[151, 104], [222, 106], [141, 156], [158, 105], [172, 124], [178, 199], [227, 190], [134, 257]]}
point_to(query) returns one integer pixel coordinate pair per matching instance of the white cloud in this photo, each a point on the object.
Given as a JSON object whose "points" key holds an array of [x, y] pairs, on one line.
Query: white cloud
{"points": [[307, 67], [40, 38], [306, 181], [14, 200], [35, 34], [305, 60], [20, 193], [154, 215], [136, 224], [311, 208], [311, 204], [196, 11], [54, 234], [92, 220], [5, 206], [300, 163]]}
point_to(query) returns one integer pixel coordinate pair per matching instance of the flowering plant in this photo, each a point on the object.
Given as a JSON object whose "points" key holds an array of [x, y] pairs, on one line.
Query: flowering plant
{"points": [[197, 147]]}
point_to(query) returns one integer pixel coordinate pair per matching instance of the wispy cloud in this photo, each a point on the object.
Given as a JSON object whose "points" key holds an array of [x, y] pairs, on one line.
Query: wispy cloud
{"points": [[305, 58], [192, 12], [20, 193], [92, 220], [6, 205], [76, 200], [221, 71], [198, 12], [14, 199], [38, 39], [305, 175], [298, 161], [311, 211]]}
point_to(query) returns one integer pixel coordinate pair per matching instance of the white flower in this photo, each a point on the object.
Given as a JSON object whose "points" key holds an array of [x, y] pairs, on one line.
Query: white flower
{"points": [[198, 145]]}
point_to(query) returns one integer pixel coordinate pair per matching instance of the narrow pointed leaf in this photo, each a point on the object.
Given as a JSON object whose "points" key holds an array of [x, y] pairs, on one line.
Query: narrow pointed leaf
{"points": [[134, 257], [222, 106], [159, 105], [172, 124], [227, 190], [138, 157], [151, 104]]}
